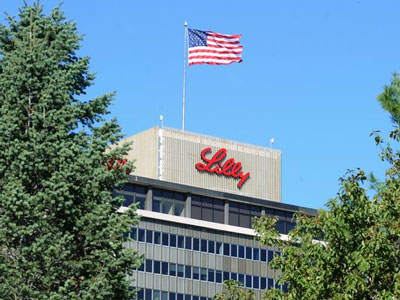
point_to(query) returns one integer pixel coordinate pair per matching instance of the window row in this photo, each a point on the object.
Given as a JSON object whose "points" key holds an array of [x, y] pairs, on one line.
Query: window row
{"points": [[148, 294], [202, 245], [204, 274], [132, 194]]}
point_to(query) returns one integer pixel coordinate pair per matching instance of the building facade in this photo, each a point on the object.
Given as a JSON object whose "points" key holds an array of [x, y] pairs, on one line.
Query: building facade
{"points": [[197, 197]]}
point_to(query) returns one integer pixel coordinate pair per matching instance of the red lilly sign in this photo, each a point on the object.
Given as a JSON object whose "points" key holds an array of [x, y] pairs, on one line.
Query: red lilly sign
{"points": [[229, 168]]}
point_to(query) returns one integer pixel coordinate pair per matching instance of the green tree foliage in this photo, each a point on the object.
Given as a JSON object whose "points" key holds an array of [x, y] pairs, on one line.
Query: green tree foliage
{"points": [[352, 249], [390, 98], [233, 291], [60, 234]]}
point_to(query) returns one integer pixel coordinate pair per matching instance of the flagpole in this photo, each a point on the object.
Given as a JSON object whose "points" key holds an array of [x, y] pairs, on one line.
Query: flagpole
{"points": [[184, 76]]}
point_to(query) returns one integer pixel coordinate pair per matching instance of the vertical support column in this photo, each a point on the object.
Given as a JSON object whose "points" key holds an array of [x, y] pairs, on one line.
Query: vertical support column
{"points": [[188, 206], [149, 199], [226, 212]]}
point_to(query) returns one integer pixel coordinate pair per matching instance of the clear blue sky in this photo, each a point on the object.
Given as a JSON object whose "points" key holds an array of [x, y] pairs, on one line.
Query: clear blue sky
{"points": [[310, 75]]}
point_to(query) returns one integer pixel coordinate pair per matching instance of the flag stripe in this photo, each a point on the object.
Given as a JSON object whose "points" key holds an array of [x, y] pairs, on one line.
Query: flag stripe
{"points": [[207, 47]]}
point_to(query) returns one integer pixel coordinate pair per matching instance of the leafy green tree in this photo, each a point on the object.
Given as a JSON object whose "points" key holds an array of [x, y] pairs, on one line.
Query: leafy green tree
{"points": [[233, 291], [350, 250], [60, 234]]}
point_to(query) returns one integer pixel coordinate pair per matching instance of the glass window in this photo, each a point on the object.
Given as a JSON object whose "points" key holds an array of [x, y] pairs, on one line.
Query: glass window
{"points": [[157, 237], [234, 250], [148, 294], [168, 202], [141, 268], [179, 209], [188, 297], [211, 246], [179, 296], [180, 270], [248, 281], [248, 252], [233, 276], [290, 226], [134, 233], [188, 272], [166, 207], [149, 236], [195, 297], [196, 243], [270, 283], [218, 276], [156, 295], [156, 205], [164, 268], [270, 255], [256, 282], [285, 288], [165, 239], [172, 240], [280, 226], [226, 249], [141, 235], [203, 245], [203, 274], [172, 296], [208, 209], [218, 248], [149, 265], [241, 278], [256, 254], [181, 241], [241, 251], [196, 273], [140, 294], [211, 273], [263, 283], [157, 269], [164, 295], [226, 275], [172, 269], [128, 200], [263, 255], [188, 244]]}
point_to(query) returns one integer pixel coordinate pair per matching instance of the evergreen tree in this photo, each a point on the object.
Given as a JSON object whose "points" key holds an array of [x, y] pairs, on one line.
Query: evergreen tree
{"points": [[61, 236]]}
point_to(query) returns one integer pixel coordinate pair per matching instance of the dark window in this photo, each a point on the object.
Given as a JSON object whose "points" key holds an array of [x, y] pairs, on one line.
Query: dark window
{"points": [[164, 295], [168, 202], [256, 254], [178, 297], [196, 244], [180, 270], [172, 296], [211, 275], [218, 276], [277, 286], [181, 241], [141, 235], [165, 239], [226, 275], [149, 236], [248, 252], [208, 209], [241, 251], [148, 294], [188, 244], [188, 297], [203, 245], [203, 274], [234, 250], [263, 255], [172, 269], [289, 226], [134, 233], [270, 283], [285, 288], [241, 278], [270, 255], [157, 237], [195, 297], [248, 281], [256, 282], [188, 272], [141, 268], [140, 294], [157, 269], [280, 227], [211, 246], [149, 265], [196, 273], [233, 276], [164, 268], [156, 205], [172, 240], [263, 283], [128, 200], [134, 194], [226, 249], [218, 249]]}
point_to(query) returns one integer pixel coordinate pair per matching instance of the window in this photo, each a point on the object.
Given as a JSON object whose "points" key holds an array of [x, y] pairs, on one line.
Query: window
{"points": [[140, 294], [172, 240], [141, 235], [172, 296], [188, 272], [196, 273], [141, 268], [133, 194], [234, 276], [165, 239], [164, 268], [248, 252], [156, 295], [234, 250], [263, 283], [270, 283], [157, 237], [241, 278], [157, 269], [241, 214], [256, 254], [218, 276], [256, 282], [134, 233], [211, 245], [181, 241], [164, 295], [226, 249], [148, 294], [149, 236], [218, 249], [226, 275], [180, 270], [263, 255], [203, 274], [149, 265], [168, 202], [172, 269], [208, 209], [188, 244], [241, 251], [248, 281], [203, 245], [270, 255], [196, 245], [179, 297], [211, 274]]}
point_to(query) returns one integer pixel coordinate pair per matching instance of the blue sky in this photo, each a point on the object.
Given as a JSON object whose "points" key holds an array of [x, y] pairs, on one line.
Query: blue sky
{"points": [[310, 75]]}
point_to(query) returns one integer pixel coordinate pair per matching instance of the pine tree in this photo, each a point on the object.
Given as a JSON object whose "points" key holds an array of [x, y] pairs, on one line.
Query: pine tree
{"points": [[61, 236]]}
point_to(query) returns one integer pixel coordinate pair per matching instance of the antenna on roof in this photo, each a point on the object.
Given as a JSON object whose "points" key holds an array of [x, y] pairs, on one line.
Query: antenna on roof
{"points": [[271, 142], [162, 121]]}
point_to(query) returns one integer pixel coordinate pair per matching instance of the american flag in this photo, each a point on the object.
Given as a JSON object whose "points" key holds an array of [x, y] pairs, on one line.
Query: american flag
{"points": [[207, 47]]}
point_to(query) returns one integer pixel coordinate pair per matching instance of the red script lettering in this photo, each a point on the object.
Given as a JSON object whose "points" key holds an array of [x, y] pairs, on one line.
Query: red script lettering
{"points": [[229, 168]]}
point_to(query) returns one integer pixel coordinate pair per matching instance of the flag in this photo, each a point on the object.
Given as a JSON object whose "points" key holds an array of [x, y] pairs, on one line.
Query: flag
{"points": [[207, 47]]}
